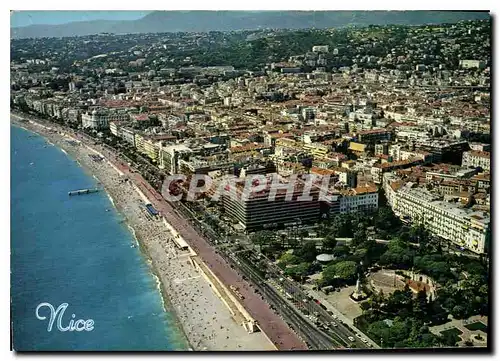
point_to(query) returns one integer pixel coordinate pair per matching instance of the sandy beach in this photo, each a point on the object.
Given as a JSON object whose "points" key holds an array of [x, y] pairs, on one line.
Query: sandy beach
{"points": [[205, 320]]}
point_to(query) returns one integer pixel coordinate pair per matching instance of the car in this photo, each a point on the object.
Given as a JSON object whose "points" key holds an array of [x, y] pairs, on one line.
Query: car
{"points": [[358, 335], [364, 340], [334, 324], [351, 338]]}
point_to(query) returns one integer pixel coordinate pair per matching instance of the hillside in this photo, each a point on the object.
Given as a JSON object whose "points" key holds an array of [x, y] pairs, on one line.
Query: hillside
{"points": [[204, 21]]}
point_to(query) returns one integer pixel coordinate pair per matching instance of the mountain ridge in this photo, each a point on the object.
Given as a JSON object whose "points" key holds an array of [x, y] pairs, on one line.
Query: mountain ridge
{"points": [[225, 20]]}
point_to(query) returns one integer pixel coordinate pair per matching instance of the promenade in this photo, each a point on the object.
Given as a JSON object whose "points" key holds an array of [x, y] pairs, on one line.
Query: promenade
{"points": [[271, 324]]}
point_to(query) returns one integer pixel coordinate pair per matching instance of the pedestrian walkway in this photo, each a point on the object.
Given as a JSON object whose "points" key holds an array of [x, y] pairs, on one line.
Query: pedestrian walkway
{"points": [[466, 335]]}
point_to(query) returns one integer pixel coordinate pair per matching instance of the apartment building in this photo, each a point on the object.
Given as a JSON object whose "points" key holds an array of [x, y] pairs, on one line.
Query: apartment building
{"points": [[373, 136], [359, 199], [139, 143], [470, 64], [169, 157], [475, 158], [462, 226], [316, 149], [377, 171], [100, 120], [257, 211], [127, 135], [152, 149]]}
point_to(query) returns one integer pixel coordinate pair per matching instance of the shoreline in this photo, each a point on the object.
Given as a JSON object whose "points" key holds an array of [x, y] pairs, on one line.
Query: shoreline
{"points": [[165, 300], [173, 301]]}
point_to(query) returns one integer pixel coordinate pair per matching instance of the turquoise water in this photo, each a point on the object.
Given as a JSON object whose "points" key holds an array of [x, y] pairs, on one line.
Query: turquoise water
{"points": [[70, 250]]}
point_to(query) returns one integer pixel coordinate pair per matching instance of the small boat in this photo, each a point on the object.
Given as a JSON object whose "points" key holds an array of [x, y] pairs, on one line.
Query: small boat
{"points": [[107, 210], [32, 163]]}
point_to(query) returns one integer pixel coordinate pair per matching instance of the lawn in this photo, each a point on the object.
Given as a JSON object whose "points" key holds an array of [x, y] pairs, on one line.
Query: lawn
{"points": [[455, 332], [477, 326]]}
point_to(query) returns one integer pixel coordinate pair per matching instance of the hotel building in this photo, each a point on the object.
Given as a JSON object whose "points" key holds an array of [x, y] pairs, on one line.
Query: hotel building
{"points": [[465, 227]]}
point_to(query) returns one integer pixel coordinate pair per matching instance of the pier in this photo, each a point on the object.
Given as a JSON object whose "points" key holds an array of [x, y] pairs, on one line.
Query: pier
{"points": [[83, 191]]}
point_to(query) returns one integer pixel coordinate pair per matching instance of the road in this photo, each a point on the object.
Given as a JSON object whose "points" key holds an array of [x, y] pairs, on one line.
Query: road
{"points": [[315, 338], [274, 326], [269, 322]]}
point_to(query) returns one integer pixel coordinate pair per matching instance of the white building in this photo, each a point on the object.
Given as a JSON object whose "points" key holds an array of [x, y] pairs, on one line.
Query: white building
{"points": [[359, 199], [169, 157], [476, 158], [462, 226], [482, 147], [100, 120], [469, 64], [320, 48]]}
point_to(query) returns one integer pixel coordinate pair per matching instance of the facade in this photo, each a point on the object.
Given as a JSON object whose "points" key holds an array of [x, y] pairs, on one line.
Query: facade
{"points": [[472, 64], [378, 170], [169, 157], [480, 147], [127, 135], [256, 211], [99, 120], [358, 147], [139, 143], [445, 151], [374, 136], [115, 129], [359, 199], [347, 177], [461, 226], [152, 149], [316, 149], [476, 158], [320, 48]]}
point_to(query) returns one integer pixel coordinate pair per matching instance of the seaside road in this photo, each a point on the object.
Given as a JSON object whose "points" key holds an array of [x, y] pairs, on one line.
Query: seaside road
{"points": [[268, 321]]}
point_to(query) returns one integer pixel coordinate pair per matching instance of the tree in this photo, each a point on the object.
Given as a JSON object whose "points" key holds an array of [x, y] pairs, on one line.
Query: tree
{"points": [[302, 233], [398, 255], [328, 275], [341, 250], [288, 259], [400, 303], [329, 243], [385, 219], [262, 238], [459, 312], [299, 271], [420, 305], [448, 339], [380, 331], [344, 270], [436, 315], [307, 252], [418, 234], [359, 237], [341, 226]]}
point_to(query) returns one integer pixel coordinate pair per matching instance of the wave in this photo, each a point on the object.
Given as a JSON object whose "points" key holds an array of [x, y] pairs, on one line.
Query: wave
{"points": [[160, 291], [111, 199], [132, 230]]}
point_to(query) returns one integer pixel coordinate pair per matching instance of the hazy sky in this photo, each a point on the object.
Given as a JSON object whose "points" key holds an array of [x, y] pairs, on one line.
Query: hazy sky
{"points": [[25, 18]]}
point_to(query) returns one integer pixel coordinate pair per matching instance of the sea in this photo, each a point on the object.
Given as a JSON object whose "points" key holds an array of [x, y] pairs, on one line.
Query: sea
{"points": [[77, 251]]}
